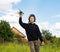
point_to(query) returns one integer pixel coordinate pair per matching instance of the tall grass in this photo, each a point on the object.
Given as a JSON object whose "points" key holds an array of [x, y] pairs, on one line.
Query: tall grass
{"points": [[50, 48], [14, 47]]}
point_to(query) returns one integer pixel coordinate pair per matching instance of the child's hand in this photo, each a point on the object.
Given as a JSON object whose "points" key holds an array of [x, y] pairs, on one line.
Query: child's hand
{"points": [[42, 43], [20, 13]]}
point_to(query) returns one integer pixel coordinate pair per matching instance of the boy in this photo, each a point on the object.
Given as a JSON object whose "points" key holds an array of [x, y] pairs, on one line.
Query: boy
{"points": [[33, 32]]}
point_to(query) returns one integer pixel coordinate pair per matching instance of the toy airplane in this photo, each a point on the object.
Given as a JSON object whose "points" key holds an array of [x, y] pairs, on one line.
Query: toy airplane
{"points": [[20, 12]]}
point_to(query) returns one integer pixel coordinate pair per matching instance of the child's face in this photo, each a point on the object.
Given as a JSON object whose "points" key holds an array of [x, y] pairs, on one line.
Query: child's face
{"points": [[31, 19]]}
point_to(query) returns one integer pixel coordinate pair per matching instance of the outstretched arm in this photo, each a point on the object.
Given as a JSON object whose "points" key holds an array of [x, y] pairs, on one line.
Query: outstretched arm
{"points": [[20, 20]]}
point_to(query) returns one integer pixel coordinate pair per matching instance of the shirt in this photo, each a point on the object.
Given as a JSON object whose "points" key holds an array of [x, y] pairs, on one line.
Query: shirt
{"points": [[32, 30]]}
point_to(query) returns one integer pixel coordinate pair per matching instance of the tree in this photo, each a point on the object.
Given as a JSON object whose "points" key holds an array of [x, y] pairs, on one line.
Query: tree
{"points": [[5, 31], [47, 35]]}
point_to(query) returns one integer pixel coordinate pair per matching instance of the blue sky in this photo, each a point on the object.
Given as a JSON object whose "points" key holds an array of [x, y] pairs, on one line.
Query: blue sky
{"points": [[44, 9], [47, 13]]}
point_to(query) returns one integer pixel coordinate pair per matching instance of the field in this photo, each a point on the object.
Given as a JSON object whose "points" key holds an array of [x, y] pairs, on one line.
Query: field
{"points": [[14, 47]]}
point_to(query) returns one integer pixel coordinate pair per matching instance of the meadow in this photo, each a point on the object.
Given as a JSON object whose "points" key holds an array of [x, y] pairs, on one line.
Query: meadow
{"points": [[15, 47]]}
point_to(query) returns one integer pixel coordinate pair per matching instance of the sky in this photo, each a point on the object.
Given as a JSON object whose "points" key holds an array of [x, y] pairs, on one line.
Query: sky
{"points": [[47, 13]]}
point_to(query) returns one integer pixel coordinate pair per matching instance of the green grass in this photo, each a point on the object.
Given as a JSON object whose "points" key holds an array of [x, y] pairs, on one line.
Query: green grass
{"points": [[14, 47], [50, 48]]}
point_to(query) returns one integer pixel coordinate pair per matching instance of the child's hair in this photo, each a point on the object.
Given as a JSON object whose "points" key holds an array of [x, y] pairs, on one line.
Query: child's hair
{"points": [[32, 15]]}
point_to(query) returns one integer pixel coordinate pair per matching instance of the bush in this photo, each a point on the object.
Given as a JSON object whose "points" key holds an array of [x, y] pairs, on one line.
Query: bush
{"points": [[5, 31], [47, 35]]}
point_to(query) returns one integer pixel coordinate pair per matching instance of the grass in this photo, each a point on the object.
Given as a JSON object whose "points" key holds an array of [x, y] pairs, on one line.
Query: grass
{"points": [[50, 48], [14, 47]]}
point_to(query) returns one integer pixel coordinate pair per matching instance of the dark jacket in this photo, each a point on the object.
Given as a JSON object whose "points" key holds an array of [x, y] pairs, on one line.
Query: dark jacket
{"points": [[32, 30]]}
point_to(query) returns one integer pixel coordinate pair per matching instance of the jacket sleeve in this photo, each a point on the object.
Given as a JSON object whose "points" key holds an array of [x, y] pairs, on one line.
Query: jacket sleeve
{"points": [[24, 25], [39, 34]]}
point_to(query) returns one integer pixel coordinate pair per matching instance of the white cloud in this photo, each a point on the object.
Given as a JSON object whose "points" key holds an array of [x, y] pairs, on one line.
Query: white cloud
{"points": [[54, 28], [57, 25], [11, 16], [6, 5], [45, 25]]}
